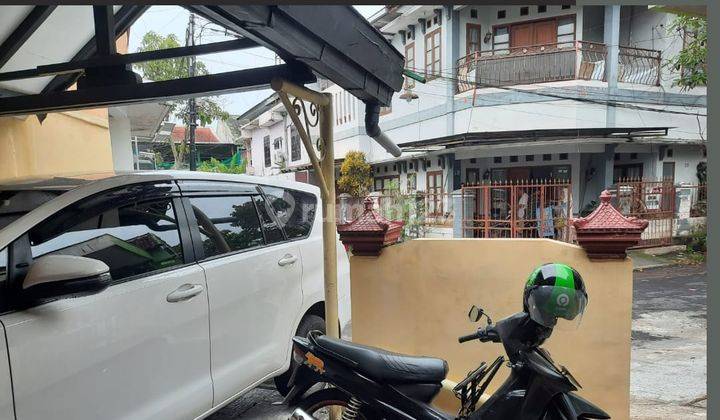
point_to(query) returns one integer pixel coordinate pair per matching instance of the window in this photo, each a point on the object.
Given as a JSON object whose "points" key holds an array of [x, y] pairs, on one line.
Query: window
{"points": [[410, 64], [473, 13], [524, 11], [501, 39], [295, 210], [3, 266], [633, 155], [394, 167], [547, 156], [529, 158], [669, 153], [542, 9], [497, 159], [563, 156], [271, 230], [617, 156], [132, 239], [227, 224], [385, 168], [473, 38], [277, 143], [513, 159], [411, 183], [501, 14], [432, 54], [266, 150], [565, 6], [294, 144]]}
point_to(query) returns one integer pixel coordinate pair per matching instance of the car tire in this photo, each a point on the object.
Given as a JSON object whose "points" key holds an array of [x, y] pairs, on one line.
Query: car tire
{"points": [[307, 324]]}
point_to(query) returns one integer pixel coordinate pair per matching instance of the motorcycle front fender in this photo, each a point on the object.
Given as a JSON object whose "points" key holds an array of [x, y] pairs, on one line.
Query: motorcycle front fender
{"points": [[302, 379]]}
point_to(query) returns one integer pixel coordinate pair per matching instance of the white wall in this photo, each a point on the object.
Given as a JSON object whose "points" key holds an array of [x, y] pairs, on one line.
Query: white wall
{"points": [[120, 140]]}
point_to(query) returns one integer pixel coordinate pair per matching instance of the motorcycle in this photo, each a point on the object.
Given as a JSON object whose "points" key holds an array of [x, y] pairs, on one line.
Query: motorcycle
{"points": [[371, 383]]}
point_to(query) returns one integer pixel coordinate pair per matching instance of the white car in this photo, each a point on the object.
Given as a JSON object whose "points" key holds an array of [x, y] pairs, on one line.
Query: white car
{"points": [[154, 295]]}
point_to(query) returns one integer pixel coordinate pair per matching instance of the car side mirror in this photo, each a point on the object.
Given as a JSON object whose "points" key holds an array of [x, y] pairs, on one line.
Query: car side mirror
{"points": [[54, 276]]}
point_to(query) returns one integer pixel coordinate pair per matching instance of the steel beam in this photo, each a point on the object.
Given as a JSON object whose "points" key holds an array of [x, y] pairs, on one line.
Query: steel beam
{"points": [[124, 59], [104, 19], [124, 18], [114, 95], [22, 33]]}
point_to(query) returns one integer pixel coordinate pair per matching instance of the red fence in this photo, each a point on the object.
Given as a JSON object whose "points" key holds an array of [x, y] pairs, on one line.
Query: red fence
{"points": [[653, 201], [529, 209]]}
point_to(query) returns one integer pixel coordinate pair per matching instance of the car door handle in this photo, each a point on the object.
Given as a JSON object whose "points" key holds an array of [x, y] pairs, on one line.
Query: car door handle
{"points": [[287, 259], [184, 292]]}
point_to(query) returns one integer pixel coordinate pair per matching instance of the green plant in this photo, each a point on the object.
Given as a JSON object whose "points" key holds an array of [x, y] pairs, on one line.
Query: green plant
{"points": [[355, 175], [214, 165], [691, 61], [409, 208], [206, 109], [698, 239]]}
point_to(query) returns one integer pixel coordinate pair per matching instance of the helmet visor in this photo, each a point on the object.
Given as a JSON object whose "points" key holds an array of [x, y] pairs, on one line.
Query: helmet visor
{"points": [[548, 303]]}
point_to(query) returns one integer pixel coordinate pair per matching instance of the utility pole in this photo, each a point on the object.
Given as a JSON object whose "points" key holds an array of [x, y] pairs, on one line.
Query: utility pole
{"points": [[190, 40]]}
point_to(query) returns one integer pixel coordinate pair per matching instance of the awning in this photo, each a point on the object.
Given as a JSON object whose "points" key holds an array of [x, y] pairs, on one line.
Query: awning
{"points": [[525, 136], [46, 49]]}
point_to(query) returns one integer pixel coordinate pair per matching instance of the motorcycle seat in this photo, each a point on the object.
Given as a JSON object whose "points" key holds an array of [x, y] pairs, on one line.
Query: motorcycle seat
{"points": [[385, 366]]}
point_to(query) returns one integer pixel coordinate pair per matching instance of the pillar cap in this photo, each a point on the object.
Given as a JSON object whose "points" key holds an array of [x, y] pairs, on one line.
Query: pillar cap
{"points": [[370, 231], [606, 233]]}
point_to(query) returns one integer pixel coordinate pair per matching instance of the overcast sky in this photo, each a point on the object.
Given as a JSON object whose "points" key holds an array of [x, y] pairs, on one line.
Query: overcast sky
{"points": [[173, 19]]}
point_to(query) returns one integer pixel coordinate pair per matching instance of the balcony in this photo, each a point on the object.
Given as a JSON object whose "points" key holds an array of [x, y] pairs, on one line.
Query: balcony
{"points": [[555, 62]]}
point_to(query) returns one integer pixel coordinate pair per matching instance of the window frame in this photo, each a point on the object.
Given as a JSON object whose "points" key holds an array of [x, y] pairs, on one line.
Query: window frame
{"points": [[19, 251], [429, 37], [410, 83], [468, 27], [267, 154], [295, 145]]}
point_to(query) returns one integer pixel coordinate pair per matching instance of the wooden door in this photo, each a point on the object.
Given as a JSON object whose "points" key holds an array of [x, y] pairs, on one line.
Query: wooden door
{"points": [[521, 35], [518, 174], [545, 32], [434, 193]]}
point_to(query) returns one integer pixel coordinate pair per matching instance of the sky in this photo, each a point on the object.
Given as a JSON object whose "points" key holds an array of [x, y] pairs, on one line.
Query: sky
{"points": [[173, 19]]}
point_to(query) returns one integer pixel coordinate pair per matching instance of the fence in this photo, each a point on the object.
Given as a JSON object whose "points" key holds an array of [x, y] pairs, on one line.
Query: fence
{"points": [[555, 62], [528, 209], [653, 201], [418, 210]]}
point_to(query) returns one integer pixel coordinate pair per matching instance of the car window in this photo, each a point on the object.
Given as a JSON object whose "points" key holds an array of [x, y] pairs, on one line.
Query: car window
{"points": [[3, 265], [132, 239], [295, 210], [272, 231], [227, 224]]}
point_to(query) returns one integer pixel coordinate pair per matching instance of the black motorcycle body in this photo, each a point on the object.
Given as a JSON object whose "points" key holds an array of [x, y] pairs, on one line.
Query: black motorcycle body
{"points": [[395, 386]]}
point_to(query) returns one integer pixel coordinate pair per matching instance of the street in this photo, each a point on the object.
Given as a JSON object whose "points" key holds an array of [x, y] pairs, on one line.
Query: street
{"points": [[669, 364]]}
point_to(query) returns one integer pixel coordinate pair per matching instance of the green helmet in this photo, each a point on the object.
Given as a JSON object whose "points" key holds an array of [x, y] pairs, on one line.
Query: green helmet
{"points": [[554, 291]]}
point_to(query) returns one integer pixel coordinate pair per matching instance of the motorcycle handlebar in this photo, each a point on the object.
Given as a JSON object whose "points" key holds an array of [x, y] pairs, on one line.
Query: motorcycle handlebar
{"points": [[482, 334]]}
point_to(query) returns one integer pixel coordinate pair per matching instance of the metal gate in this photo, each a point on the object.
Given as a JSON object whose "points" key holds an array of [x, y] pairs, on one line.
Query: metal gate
{"points": [[527, 209], [653, 201]]}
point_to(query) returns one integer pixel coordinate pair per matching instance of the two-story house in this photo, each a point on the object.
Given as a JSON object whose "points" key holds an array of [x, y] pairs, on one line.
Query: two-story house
{"points": [[576, 94]]}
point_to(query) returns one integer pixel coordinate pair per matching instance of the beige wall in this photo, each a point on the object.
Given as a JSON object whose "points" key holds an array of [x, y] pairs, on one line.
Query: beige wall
{"points": [[414, 299], [66, 142]]}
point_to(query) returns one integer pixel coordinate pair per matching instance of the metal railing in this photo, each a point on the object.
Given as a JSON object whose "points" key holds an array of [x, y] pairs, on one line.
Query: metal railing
{"points": [[653, 201], [554, 62], [528, 209]]}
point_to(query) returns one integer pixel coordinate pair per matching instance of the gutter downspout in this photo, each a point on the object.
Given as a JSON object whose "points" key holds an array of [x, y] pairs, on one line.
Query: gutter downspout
{"points": [[372, 118]]}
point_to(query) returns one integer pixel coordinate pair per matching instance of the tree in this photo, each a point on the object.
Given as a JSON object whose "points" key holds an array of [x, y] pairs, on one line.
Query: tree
{"points": [[355, 174], [207, 109], [691, 61]]}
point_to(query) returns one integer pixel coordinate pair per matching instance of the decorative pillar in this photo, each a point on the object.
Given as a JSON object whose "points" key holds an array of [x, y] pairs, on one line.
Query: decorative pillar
{"points": [[367, 234], [606, 234]]}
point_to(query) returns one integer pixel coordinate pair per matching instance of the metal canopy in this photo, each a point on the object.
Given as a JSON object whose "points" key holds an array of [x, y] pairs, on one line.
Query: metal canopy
{"points": [[333, 41], [523, 136]]}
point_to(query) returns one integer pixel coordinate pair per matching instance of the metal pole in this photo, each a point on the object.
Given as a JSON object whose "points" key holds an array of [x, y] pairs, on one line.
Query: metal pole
{"points": [[327, 165], [192, 104]]}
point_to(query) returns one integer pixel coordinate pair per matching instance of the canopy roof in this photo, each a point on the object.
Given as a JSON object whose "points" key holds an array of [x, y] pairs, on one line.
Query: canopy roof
{"points": [[45, 49]]}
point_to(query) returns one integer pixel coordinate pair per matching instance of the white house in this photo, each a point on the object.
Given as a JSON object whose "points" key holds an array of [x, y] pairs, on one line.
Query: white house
{"points": [[579, 94]]}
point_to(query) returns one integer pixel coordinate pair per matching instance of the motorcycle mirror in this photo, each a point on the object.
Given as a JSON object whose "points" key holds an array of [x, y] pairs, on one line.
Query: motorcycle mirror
{"points": [[475, 314]]}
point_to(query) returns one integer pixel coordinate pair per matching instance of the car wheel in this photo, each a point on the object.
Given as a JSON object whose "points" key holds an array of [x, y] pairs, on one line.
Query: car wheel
{"points": [[308, 323]]}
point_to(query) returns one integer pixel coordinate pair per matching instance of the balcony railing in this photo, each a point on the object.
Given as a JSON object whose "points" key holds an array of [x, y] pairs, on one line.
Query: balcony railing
{"points": [[555, 62]]}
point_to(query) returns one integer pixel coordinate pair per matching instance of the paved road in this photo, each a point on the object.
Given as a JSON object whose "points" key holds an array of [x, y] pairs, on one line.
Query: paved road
{"points": [[669, 363], [668, 355]]}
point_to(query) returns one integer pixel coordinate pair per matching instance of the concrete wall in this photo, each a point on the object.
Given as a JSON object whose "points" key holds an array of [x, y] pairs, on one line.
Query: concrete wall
{"points": [[121, 142], [414, 298], [66, 142]]}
